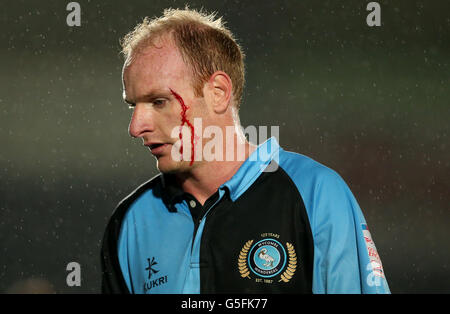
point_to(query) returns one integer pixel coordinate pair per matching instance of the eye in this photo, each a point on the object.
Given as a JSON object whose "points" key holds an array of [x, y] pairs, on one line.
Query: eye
{"points": [[159, 102]]}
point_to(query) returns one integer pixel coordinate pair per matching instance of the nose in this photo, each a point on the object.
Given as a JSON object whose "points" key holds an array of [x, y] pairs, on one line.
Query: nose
{"points": [[141, 121]]}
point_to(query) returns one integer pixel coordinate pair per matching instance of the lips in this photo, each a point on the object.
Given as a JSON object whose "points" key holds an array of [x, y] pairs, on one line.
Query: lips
{"points": [[153, 146], [156, 148]]}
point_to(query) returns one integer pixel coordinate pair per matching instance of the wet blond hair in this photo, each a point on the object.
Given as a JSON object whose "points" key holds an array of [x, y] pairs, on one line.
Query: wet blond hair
{"points": [[205, 44]]}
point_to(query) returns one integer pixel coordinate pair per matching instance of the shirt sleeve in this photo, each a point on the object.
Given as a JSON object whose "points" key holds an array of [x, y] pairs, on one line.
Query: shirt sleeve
{"points": [[113, 281], [345, 256]]}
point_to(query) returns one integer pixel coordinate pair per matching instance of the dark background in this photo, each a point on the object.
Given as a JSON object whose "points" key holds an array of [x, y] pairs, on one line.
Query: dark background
{"points": [[370, 102]]}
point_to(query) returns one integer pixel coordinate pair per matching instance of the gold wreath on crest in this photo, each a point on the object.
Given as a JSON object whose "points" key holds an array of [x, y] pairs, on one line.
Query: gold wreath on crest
{"points": [[292, 266], [242, 261]]}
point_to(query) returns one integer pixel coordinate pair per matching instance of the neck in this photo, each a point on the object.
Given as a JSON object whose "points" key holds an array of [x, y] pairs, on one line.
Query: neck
{"points": [[205, 179]]}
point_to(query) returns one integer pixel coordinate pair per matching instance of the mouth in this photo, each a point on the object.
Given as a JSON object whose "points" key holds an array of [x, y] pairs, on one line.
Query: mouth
{"points": [[157, 148], [152, 146]]}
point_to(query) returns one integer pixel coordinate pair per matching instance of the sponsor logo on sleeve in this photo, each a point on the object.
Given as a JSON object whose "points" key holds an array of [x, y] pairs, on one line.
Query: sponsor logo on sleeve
{"points": [[375, 261]]}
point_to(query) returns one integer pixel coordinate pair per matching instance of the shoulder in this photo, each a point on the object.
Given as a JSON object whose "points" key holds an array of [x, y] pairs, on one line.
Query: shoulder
{"points": [[124, 205], [152, 185], [306, 172], [324, 192]]}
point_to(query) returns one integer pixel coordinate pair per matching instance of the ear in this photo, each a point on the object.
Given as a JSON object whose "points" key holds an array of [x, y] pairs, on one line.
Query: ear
{"points": [[218, 91]]}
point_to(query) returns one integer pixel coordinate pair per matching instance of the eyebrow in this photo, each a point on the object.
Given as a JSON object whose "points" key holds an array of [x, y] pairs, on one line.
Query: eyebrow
{"points": [[149, 97]]}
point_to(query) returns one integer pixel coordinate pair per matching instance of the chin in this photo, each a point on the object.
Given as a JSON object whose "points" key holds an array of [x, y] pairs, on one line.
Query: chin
{"points": [[167, 165]]}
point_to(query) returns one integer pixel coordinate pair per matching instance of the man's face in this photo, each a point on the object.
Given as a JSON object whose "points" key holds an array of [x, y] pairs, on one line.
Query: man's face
{"points": [[151, 83]]}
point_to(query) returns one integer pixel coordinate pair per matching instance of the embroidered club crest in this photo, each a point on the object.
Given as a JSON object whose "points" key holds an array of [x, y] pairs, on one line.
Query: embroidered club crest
{"points": [[266, 259]]}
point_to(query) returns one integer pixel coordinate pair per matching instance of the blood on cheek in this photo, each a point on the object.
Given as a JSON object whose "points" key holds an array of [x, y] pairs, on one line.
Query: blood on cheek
{"points": [[185, 120]]}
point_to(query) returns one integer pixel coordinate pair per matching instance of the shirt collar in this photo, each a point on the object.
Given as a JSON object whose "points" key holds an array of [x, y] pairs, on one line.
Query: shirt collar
{"points": [[252, 168], [171, 191], [247, 173]]}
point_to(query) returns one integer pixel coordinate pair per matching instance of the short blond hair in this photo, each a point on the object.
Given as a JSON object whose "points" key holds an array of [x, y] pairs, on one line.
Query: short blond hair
{"points": [[205, 44]]}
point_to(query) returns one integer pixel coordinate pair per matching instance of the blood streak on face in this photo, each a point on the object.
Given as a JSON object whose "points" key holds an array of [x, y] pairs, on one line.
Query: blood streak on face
{"points": [[185, 120]]}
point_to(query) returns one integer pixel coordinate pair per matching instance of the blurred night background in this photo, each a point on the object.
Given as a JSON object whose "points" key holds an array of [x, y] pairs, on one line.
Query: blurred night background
{"points": [[371, 103]]}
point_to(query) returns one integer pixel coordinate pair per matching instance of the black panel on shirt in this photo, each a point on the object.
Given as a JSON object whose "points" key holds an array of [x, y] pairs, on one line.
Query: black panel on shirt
{"points": [[271, 206]]}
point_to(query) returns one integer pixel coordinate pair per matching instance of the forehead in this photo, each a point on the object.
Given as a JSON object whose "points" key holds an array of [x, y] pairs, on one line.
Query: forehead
{"points": [[155, 66]]}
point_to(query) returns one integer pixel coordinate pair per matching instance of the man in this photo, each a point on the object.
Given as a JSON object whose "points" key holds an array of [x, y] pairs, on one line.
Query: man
{"points": [[280, 224]]}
